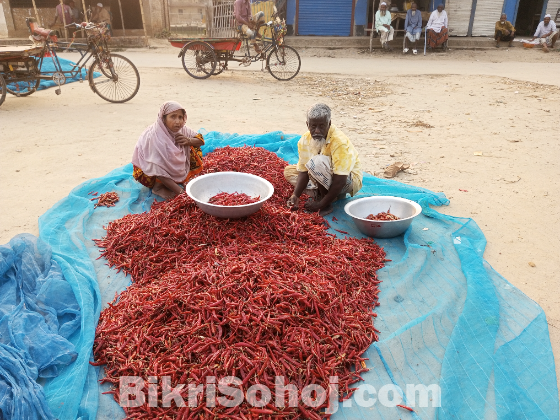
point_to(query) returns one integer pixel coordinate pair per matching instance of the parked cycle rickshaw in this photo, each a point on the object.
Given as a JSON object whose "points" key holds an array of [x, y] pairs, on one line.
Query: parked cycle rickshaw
{"points": [[111, 76], [205, 57]]}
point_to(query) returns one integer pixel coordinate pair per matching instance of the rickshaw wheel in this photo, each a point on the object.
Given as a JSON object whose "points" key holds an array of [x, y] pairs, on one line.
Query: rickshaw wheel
{"points": [[22, 88], [283, 63], [3, 89], [121, 88], [199, 59]]}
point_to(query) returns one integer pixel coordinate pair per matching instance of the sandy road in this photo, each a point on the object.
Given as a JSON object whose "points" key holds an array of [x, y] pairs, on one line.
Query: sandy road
{"points": [[49, 144]]}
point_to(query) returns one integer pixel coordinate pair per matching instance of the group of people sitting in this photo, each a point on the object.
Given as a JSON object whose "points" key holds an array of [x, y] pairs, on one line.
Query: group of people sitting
{"points": [[437, 32], [168, 154], [546, 33]]}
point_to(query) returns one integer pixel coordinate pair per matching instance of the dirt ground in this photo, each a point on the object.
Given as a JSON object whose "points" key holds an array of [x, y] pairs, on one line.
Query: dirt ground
{"points": [[490, 143]]}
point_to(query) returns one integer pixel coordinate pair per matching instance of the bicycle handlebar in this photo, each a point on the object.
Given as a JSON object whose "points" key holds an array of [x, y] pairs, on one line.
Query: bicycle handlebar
{"points": [[83, 25]]}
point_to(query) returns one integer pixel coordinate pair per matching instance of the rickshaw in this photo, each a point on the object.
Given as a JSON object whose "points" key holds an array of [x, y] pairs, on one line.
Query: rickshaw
{"points": [[205, 57], [111, 76]]}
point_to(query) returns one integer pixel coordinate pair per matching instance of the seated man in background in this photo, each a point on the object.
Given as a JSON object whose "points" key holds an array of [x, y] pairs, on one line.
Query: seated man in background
{"points": [[328, 166], [504, 31], [413, 28], [437, 27], [102, 15], [383, 26], [546, 33], [247, 24]]}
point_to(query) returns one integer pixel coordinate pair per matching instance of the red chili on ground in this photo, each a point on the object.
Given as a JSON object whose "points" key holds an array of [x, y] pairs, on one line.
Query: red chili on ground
{"points": [[271, 295]]}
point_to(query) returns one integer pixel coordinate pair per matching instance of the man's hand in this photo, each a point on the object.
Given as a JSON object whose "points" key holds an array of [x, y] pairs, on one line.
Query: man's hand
{"points": [[293, 202], [387, 26], [313, 206]]}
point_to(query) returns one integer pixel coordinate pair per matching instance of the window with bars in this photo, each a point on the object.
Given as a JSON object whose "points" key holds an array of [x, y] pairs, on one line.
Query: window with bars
{"points": [[28, 4]]}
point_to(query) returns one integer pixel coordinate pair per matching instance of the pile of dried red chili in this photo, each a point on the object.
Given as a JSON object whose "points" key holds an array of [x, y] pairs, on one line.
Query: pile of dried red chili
{"points": [[383, 216], [271, 295], [108, 199], [232, 199]]}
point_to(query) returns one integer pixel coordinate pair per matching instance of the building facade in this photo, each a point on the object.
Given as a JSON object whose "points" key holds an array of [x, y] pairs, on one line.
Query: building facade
{"points": [[466, 17], [128, 23], [304, 17]]}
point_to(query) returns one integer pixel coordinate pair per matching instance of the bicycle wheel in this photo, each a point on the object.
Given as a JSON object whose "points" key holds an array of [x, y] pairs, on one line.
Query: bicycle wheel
{"points": [[199, 59], [24, 88], [3, 89], [283, 63], [116, 79]]}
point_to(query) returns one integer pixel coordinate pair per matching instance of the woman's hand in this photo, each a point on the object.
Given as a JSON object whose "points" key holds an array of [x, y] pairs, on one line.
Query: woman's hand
{"points": [[183, 141]]}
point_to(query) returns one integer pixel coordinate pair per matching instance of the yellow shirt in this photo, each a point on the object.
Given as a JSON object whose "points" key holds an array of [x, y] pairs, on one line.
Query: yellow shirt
{"points": [[507, 25], [341, 151]]}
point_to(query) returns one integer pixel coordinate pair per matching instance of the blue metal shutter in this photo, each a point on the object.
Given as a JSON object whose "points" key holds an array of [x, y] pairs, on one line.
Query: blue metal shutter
{"points": [[325, 17]]}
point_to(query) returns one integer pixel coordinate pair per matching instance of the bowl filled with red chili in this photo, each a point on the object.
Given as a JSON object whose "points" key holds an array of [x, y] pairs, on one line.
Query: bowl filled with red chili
{"points": [[229, 195], [382, 216]]}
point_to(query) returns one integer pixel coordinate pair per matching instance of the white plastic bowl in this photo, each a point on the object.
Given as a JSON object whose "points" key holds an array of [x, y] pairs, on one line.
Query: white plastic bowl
{"points": [[405, 209], [204, 187]]}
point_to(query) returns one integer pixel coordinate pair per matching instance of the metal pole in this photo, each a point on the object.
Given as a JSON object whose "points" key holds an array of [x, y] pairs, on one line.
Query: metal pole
{"points": [[64, 19], [122, 18], [372, 26], [144, 22]]}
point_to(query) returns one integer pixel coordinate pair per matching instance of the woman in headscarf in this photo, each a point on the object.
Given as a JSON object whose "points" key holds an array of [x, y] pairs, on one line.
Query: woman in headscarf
{"points": [[167, 153]]}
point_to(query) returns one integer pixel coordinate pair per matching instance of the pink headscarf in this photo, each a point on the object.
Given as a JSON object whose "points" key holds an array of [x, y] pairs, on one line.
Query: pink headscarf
{"points": [[156, 152]]}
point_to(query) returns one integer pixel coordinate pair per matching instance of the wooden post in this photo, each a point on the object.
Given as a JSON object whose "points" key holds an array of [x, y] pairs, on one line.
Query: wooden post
{"points": [[64, 19], [85, 11], [372, 26], [122, 18], [144, 22], [36, 13]]}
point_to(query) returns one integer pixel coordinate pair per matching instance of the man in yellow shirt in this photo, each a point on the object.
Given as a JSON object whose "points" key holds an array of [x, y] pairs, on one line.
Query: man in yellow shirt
{"points": [[328, 166], [504, 31]]}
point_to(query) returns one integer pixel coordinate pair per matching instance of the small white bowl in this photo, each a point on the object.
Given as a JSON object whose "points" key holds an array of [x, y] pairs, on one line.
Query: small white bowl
{"points": [[204, 187], [405, 209]]}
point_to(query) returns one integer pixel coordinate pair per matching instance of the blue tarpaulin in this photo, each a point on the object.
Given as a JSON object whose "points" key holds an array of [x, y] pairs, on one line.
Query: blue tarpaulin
{"points": [[446, 317], [39, 317]]}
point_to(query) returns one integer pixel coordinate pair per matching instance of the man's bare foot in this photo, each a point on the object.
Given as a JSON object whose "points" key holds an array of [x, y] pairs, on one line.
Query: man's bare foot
{"points": [[510, 44], [545, 48], [162, 191]]}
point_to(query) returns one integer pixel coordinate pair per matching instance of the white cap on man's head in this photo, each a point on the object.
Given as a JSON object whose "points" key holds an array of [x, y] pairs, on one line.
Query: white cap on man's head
{"points": [[383, 4], [99, 4], [547, 16]]}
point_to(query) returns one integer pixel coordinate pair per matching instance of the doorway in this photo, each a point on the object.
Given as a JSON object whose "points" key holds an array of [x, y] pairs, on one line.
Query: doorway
{"points": [[528, 16], [131, 14]]}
